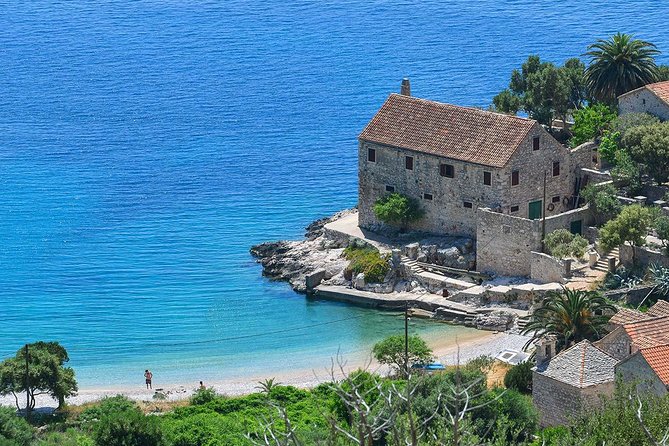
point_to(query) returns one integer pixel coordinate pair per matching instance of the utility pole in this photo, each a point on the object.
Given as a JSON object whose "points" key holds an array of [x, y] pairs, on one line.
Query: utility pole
{"points": [[27, 385], [543, 216], [406, 339]]}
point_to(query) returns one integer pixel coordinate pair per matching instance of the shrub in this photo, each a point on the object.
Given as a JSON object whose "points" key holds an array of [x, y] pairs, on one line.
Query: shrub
{"points": [[369, 261], [609, 146], [662, 230], [562, 243], [631, 226], [107, 406], [483, 363], [71, 437], [128, 428], [14, 430], [390, 351], [649, 145], [603, 201], [590, 123], [623, 123], [626, 173], [519, 377], [203, 396], [397, 209]]}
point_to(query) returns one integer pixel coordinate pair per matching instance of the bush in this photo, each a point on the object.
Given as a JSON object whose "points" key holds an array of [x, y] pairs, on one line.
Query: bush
{"points": [[626, 173], [603, 201], [609, 146], [369, 261], [631, 226], [623, 123], [519, 378], [562, 243], [203, 396], [662, 230], [649, 145], [397, 209], [107, 406], [71, 437], [14, 430], [128, 428], [390, 351], [590, 123]]}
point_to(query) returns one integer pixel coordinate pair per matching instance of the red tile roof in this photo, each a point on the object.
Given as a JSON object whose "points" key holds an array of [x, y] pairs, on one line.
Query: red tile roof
{"points": [[658, 359], [626, 316], [661, 90], [649, 332], [461, 133], [661, 308]]}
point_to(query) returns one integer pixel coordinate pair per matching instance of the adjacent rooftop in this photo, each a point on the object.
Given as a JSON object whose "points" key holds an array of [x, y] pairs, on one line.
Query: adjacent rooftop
{"points": [[581, 365]]}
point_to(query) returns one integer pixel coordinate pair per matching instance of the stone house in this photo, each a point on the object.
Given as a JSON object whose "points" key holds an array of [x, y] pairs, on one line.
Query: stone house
{"points": [[648, 368], [455, 160], [651, 98], [628, 338], [576, 379]]}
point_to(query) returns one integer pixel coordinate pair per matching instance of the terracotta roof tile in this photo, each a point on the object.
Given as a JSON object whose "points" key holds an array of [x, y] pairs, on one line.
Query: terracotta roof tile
{"points": [[626, 316], [661, 90], [658, 359], [661, 308], [465, 134], [581, 365], [649, 332]]}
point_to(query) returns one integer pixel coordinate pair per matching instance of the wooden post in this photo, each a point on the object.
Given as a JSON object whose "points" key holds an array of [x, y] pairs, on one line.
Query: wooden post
{"points": [[27, 385]]}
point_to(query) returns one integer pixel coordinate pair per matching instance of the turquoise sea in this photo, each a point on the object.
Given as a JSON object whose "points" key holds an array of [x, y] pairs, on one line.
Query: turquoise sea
{"points": [[144, 146]]}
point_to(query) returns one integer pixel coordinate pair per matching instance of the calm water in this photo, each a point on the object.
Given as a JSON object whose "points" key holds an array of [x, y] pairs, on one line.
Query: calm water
{"points": [[144, 146]]}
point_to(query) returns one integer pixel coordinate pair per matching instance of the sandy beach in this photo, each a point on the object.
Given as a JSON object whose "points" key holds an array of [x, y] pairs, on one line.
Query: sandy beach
{"points": [[446, 350]]}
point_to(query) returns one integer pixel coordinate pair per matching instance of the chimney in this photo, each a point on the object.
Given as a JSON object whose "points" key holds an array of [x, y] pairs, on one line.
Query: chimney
{"points": [[546, 348], [406, 87]]}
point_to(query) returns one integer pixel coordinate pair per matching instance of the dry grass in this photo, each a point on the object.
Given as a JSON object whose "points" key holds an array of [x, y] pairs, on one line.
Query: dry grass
{"points": [[495, 376]]}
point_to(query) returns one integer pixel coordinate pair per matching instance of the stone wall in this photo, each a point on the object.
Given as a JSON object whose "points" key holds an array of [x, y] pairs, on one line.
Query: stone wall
{"points": [[636, 370], [558, 402], [641, 256], [445, 212], [643, 101], [631, 296], [504, 243], [546, 269], [617, 344]]}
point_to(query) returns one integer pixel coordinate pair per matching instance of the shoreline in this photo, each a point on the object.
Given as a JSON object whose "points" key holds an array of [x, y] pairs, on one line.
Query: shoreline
{"points": [[446, 350]]}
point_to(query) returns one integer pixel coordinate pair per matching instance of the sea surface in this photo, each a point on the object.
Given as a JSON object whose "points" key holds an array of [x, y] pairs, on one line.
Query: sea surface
{"points": [[145, 146]]}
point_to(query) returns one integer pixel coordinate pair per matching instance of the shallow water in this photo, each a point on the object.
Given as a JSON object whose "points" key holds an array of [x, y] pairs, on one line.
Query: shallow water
{"points": [[145, 146]]}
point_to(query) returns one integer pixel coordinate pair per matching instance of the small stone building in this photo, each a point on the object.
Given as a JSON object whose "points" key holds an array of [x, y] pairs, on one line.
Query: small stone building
{"points": [[648, 368], [576, 379], [652, 99], [629, 337], [455, 160]]}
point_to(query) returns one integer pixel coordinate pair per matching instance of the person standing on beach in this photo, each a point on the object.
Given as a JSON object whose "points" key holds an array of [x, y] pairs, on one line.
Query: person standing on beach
{"points": [[149, 376]]}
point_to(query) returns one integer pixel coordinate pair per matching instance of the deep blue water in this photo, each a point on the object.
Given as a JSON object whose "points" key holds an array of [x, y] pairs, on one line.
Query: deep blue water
{"points": [[144, 146]]}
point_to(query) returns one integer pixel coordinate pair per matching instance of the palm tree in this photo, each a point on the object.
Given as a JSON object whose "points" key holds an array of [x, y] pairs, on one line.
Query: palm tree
{"points": [[619, 65], [571, 316]]}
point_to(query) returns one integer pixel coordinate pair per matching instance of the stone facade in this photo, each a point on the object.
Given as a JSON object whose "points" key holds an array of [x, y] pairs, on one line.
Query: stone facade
{"points": [[643, 100], [641, 256], [558, 402], [546, 269], [451, 202], [636, 369], [617, 344]]}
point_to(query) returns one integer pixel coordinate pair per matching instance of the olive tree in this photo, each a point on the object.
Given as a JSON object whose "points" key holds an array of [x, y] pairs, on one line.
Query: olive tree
{"points": [[390, 351], [397, 209], [630, 226], [649, 145]]}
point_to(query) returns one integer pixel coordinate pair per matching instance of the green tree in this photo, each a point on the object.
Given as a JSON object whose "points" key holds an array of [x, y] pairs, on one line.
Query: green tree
{"points": [[571, 316], [649, 145], [618, 65], [662, 73], [507, 102], [630, 226], [390, 352], [46, 373], [662, 230], [128, 428], [623, 123], [561, 244], [590, 123], [519, 377], [14, 431], [626, 173], [398, 209], [603, 201], [609, 146]]}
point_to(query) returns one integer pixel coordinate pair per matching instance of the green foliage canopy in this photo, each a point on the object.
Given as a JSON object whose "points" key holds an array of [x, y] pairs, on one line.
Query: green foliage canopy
{"points": [[561, 244], [603, 201], [631, 226], [390, 351], [590, 123], [519, 377], [14, 431], [369, 261], [128, 428], [649, 145], [397, 209]]}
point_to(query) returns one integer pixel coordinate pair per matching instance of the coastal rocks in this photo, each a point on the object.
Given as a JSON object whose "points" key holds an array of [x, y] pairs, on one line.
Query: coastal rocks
{"points": [[495, 321], [452, 252]]}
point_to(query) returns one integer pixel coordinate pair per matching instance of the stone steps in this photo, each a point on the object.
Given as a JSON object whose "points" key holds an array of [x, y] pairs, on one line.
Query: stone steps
{"points": [[602, 264]]}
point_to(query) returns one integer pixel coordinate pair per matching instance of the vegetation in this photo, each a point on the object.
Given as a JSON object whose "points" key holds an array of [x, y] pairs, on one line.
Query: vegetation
{"points": [[368, 261], [618, 65], [46, 373], [571, 316], [544, 90], [398, 210], [590, 123], [662, 230], [630, 226], [14, 431], [519, 377], [603, 201], [561, 244], [390, 351], [626, 173], [129, 427], [649, 145], [623, 123]]}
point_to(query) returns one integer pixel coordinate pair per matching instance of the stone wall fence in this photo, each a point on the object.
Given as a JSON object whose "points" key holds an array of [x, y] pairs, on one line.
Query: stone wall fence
{"points": [[642, 256], [546, 269]]}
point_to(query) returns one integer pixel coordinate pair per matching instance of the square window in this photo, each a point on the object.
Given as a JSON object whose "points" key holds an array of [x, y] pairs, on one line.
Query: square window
{"points": [[408, 162], [427, 196], [468, 204], [446, 170], [514, 208], [535, 143], [390, 189], [487, 178], [515, 178], [555, 199], [371, 155], [556, 168]]}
